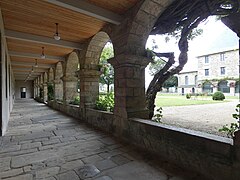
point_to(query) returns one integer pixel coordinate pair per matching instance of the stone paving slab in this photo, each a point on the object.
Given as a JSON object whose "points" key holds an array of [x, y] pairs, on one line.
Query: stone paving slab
{"points": [[43, 144]]}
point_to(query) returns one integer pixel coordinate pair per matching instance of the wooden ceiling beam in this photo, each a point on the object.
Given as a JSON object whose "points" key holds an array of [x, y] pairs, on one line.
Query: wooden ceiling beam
{"points": [[41, 39], [16, 63], [18, 69], [27, 73], [88, 9], [35, 56]]}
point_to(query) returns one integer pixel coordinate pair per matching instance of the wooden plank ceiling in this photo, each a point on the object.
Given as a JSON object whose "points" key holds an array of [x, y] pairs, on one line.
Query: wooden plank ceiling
{"points": [[30, 25]]}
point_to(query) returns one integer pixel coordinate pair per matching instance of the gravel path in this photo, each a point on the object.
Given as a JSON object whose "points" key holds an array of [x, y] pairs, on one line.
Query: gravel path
{"points": [[206, 118]]}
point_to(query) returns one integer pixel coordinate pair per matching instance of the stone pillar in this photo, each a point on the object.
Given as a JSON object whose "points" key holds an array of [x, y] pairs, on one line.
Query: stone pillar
{"points": [[129, 88], [69, 89], [89, 86], [215, 89], [215, 86], [45, 92], [232, 87], [58, 89]]}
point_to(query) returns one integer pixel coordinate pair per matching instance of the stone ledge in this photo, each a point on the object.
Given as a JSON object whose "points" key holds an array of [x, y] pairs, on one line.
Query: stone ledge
{"points": [[186, 131]]}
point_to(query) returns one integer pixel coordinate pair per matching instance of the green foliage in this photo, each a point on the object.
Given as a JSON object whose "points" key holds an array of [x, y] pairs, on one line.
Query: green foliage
{"points": [[188, 95], [50, 92], [75, 101], [107, 76], [171, 82], [158, 116], [177, 34], [218, 96], [233, 126], [105, 102]]}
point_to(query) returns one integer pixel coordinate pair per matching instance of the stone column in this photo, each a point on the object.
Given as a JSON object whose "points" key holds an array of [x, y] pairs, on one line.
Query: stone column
{"points": [[58, 89], [45, 92], [129, 88], [89, 86], [215, 86], [69, 89], [232, 87]]}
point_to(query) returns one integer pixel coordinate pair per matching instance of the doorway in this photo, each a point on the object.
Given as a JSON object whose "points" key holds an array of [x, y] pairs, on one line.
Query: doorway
{"points": [[23, 92], [182, 91]]}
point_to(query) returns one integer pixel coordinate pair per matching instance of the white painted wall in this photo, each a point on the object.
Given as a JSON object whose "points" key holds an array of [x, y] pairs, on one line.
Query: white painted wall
{"points": [[29, 87]]}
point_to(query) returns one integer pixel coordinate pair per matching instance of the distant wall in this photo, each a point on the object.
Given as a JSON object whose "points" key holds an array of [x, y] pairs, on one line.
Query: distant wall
{"points": [[29, 89]]}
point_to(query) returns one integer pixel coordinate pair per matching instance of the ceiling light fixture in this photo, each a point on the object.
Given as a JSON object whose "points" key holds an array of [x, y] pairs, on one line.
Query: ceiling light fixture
{"points": [[32, 69], [36, 63], [57, 35], [43, 55]]}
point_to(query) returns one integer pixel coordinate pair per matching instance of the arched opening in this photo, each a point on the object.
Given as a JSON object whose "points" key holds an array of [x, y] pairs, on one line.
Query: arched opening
{"points": [[223, 87], [237, 87], [50, 84], [207, 87], [186, 80], [98, 73], [106, 82], [58, 84]]}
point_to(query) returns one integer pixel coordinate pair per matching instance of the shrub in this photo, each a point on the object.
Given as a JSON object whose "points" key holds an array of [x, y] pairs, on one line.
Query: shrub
{"points": [[188, 96], [218, 96], [105, 102], [158, 116], [75, 101], [230, 130]]}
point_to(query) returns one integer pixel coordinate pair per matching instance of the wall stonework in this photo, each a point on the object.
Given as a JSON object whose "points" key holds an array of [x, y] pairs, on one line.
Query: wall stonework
{"points": [[214, 64], [29, 89], [230, 62]]}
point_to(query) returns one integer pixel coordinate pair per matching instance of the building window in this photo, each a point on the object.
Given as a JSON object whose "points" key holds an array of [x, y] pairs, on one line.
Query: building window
{"points": [[195, 80], [222, 56], [206, 72], [223, 87], [206, 59], [186, 80], [223, 70]]}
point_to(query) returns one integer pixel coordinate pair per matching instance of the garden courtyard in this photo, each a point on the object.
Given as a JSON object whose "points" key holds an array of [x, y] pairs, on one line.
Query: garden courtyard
{"points": [[198, 113]]}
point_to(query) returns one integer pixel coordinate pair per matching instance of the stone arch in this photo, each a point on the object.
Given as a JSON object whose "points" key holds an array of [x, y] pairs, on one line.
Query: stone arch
{"points": [[207, 87], [72, 64], [45, 77], [95, 47], [58, 71], [41, 79], [133, 33], [223, 86], [70, 77], [58, 84], [50, 75]]}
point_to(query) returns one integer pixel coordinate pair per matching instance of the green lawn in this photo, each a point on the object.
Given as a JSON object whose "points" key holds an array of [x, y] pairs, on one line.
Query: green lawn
{"points": [[164, 100]]}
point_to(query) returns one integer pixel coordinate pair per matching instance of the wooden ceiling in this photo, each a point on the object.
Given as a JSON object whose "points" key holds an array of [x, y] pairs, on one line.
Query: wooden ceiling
{"points": [[30, 25]]}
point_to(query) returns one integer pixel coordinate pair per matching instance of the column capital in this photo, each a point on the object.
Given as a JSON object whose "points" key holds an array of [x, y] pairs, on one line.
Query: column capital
{"points": [[89, 73], [129, 60], [57, 81], [69, 79]]}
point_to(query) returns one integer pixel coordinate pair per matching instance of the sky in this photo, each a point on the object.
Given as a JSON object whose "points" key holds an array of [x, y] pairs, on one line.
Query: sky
{"points": [[216, 36]]}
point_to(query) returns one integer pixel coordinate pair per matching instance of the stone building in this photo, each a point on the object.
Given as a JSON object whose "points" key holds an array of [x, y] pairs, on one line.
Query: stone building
{"points": [[216, 71], [187, 82], [58, 44]]}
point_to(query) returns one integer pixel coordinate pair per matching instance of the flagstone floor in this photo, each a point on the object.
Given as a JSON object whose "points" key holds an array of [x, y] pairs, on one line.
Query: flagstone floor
{"points": [[42, 143]]}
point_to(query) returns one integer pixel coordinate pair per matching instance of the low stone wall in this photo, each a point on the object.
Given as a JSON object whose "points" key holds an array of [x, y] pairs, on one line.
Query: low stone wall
{"points": [[99, 119], [211, 155], [71, 110]]}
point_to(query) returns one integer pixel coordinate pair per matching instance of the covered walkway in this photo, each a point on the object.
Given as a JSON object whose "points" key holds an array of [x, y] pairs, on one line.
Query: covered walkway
{"points": [[42, 143]]}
